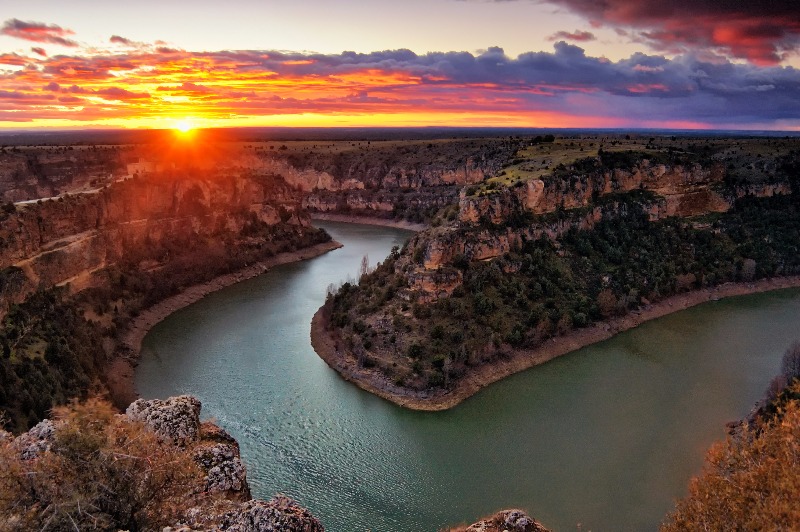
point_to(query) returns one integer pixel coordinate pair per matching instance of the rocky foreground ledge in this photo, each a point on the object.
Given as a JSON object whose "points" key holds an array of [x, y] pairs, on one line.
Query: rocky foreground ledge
{"points": [[505, 521], [219, 500]]}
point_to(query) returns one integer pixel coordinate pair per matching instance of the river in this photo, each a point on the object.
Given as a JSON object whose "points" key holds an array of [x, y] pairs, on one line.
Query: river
{"points": [[602, 439]]}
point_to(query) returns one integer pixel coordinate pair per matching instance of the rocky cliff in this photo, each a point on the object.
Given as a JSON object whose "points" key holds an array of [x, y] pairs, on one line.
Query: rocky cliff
{"points": [[30, 172], [504, 521], [493, 222], [216, 496], [683, 191], [408, 180], [144, 221]]}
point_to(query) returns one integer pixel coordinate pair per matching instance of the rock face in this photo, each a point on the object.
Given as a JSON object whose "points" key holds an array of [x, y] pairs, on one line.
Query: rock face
{"points": [[493, 223], [138, 220], [408, 180], [177, 421], [683, 191], [506, 521], [226, 473], [27, 173]]}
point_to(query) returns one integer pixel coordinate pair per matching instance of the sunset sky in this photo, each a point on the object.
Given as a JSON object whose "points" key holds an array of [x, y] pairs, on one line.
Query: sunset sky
{"points": [[531, 63]]}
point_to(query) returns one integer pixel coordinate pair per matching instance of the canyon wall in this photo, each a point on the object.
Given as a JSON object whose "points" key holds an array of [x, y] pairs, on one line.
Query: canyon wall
{"points": [[685, 191], [493, 222], [39, 172], [407, 180], [138, 220]]}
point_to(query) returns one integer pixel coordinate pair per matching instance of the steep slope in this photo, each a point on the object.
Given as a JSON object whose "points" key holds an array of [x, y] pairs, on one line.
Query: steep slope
{"points": [[77, 270], [567, 256]]}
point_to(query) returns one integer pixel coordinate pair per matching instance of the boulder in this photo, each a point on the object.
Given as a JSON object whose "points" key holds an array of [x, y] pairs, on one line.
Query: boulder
{"points": [[36, 441], [176, 420], [507, 521], [225, 472], [278, 514]]}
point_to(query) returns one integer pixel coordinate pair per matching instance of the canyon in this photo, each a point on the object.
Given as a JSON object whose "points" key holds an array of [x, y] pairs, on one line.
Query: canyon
{"points": [[128, 235]]}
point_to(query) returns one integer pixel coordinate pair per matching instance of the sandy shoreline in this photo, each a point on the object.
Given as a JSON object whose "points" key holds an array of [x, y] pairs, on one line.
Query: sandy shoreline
{"points": [[368, 220], [374, 382], [121, 371]]}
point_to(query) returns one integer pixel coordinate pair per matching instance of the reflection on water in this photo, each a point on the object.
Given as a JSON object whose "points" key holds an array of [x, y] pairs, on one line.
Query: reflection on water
{"points": [[607, 436]]}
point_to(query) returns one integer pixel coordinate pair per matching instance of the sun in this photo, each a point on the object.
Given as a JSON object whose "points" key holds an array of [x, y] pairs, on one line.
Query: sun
{"points": [[184, 126]]}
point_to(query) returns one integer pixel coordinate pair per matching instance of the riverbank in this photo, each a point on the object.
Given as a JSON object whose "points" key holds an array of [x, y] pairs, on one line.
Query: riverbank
{"points": [[120, 374], [371, 380], [368, 220]]}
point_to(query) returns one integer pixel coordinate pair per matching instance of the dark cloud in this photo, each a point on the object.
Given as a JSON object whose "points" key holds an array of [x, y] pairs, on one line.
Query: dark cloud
{"points": [[124, 41], [761, 31], [39, 51], [116, 39], [38, 32], [577, 35]]}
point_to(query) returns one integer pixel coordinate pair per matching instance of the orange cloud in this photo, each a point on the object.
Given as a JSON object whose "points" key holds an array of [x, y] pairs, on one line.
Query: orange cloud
{"points": [[147, 87]]}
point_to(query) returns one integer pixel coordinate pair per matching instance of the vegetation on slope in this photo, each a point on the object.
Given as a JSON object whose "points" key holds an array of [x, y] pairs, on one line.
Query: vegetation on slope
{"points": [[750, 481], [54, 347], [103, 472], [548, 287]]}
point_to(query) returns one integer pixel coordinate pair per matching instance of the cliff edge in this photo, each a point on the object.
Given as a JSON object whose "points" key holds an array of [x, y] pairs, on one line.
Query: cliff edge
{"points": [[155, 466]]}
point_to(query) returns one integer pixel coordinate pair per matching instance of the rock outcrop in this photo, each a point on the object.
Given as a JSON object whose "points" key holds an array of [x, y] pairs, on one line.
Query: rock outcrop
{"points": [[505, 521], [220, 500], [279, 513], [36, 441], [176, 420]]}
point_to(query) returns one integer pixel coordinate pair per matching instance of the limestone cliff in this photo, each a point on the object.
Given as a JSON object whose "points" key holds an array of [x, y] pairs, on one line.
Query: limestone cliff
{"points": [[138, 221], [407, 180], [685, 191], [494, 222], [29, 172]]}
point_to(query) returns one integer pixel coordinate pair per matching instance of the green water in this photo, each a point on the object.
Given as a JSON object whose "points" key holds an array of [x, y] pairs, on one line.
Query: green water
{"points": [[606, 437]]}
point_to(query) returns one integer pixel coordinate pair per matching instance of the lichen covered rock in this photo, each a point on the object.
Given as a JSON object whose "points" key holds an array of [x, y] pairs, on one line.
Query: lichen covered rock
{"points": [[176, 420], [278, 514], [36, 441], [507, 521], [225, 472]]}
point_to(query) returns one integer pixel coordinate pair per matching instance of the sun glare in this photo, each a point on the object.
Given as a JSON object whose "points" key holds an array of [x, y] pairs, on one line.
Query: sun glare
{"points": [[184, 126]]}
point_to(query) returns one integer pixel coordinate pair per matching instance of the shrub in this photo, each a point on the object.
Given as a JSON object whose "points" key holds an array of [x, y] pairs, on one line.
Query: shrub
{"points": [[750, 482], [103, 472]]}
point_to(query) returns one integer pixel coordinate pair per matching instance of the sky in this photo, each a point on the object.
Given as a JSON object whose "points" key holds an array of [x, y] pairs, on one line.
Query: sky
{"points": [[679, 64]]}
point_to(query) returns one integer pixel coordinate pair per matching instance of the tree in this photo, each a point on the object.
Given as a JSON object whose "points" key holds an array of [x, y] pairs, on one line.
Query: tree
{"points": [[364, 269], [790, 364]]}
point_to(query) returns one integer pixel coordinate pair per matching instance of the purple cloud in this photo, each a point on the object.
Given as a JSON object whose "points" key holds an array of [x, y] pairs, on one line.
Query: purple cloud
{"points": [[38, 32]]}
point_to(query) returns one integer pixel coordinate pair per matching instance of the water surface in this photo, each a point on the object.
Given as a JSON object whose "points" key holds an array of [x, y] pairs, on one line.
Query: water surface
{"points": [[605, 438]]}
